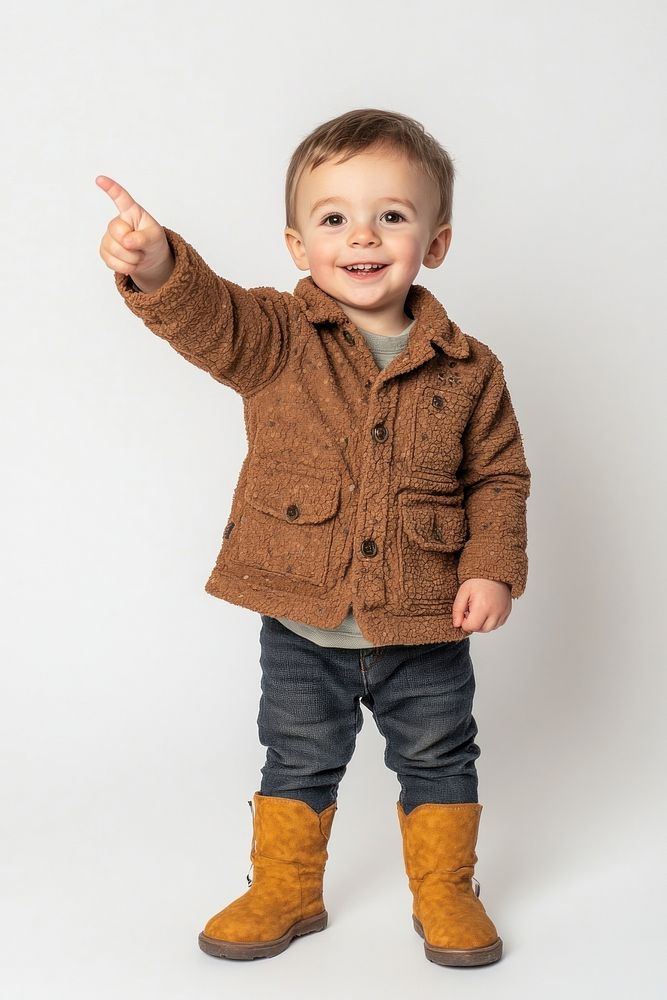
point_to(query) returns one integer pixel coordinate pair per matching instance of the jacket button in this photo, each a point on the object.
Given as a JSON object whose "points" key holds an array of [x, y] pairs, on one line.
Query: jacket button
{"points": [[368, 547], [438, 402], [380, 432], [348, 336], [292, 511]]}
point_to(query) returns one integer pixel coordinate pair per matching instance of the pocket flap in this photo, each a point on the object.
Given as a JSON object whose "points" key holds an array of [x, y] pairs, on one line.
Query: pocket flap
{"points": [[433, 523], [294, 496]]}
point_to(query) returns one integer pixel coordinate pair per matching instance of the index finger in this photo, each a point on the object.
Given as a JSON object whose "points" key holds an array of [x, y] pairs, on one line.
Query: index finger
{"points": [[122, 199]]}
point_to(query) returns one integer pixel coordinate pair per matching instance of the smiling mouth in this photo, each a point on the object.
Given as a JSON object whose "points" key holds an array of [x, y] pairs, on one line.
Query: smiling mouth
{"points": [[364, 273]]}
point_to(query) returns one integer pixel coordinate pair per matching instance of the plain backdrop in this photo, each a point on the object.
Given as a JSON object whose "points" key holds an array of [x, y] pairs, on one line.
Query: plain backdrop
{"points": [[129, 696]]}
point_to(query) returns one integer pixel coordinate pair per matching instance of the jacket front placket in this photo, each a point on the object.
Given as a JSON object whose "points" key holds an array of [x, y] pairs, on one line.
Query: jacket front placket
{"points": [[372, 524], [370, 532]]}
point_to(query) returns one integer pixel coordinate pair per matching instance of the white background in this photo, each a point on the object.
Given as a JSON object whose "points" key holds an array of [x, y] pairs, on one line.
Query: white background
{"points": [[129, 696]]}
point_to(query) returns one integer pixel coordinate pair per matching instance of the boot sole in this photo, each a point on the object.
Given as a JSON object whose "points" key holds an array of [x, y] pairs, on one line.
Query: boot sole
{"points": [[460, 956], [262, 949]]}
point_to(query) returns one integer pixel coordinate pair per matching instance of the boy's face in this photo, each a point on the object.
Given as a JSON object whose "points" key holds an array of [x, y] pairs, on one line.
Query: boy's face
{"points": [[355, 212]]}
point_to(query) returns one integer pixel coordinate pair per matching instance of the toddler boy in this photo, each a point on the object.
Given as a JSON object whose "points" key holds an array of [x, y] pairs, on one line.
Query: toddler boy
{"points": [[378, 519]]}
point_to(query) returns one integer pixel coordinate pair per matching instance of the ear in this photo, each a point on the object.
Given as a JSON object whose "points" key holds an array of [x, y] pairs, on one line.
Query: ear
{"points": [[438, 247], [296, 248]]}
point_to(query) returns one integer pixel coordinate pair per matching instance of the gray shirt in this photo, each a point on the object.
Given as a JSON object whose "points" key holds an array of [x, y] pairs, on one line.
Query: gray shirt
{"points": [[347, 635]]}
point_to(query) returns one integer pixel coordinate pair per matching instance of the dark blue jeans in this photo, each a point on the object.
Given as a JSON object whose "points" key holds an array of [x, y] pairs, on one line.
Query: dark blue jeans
{"points": [[309, 715]]}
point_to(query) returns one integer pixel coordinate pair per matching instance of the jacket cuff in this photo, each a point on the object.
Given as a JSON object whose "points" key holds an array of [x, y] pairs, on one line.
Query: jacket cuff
{"points": [[170, 298], [489, 561]]}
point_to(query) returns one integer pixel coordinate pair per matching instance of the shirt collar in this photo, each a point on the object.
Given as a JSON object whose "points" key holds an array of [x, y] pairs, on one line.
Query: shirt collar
{"points": [[431, 320]]}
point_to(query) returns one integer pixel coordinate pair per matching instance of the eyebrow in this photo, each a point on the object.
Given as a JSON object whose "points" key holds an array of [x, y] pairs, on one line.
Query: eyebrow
{"points": [[325, 201]]}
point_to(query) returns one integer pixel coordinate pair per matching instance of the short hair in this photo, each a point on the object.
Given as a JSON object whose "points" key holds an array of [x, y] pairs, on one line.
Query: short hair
{"points": [[366, 128]]}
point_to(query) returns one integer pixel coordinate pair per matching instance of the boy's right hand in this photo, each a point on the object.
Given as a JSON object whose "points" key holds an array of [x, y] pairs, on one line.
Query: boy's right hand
{"points": [[134, 243]]}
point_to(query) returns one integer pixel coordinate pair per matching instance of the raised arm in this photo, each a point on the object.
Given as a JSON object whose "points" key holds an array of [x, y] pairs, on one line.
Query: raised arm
{"points": [[239, 336]]}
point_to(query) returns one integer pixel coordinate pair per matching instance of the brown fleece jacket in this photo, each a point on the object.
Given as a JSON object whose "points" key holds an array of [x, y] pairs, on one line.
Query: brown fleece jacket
{"points": [[380, 489]]}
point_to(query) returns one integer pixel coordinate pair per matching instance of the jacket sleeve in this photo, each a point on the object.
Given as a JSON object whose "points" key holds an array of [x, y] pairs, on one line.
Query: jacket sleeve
{"points": [[496, 482], [240, 336]]}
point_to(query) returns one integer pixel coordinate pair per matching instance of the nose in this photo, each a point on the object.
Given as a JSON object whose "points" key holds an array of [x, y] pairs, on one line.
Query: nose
{"points": [[363, 235]]}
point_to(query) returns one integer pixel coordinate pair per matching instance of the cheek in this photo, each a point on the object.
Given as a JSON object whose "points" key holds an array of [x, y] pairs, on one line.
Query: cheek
{"points": [[322, 252], [407, 250]]}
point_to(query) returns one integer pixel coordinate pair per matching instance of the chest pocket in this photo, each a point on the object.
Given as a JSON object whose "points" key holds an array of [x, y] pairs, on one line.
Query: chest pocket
{"points": [[288, 520], [432, 533], [440, 417]]}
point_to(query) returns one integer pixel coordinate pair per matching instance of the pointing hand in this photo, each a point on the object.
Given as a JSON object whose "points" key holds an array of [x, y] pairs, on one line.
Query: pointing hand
{"points": [[134, 243]]}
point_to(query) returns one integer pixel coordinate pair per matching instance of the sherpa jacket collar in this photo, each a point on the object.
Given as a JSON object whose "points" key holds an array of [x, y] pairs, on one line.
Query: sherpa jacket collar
{"points": [[432, 327]]}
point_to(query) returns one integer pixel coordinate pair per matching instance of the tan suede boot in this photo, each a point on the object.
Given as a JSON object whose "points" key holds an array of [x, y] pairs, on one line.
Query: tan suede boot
{"points": [[288, 855], [439, 851]]}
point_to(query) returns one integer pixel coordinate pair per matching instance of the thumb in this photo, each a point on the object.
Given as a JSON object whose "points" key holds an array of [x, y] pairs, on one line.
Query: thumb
{"points": [[122, 231], [460, 606], [133, 241]]}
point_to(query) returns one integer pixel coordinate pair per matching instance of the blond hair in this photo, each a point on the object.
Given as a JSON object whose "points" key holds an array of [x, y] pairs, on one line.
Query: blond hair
{"points": [[366, 128]]}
